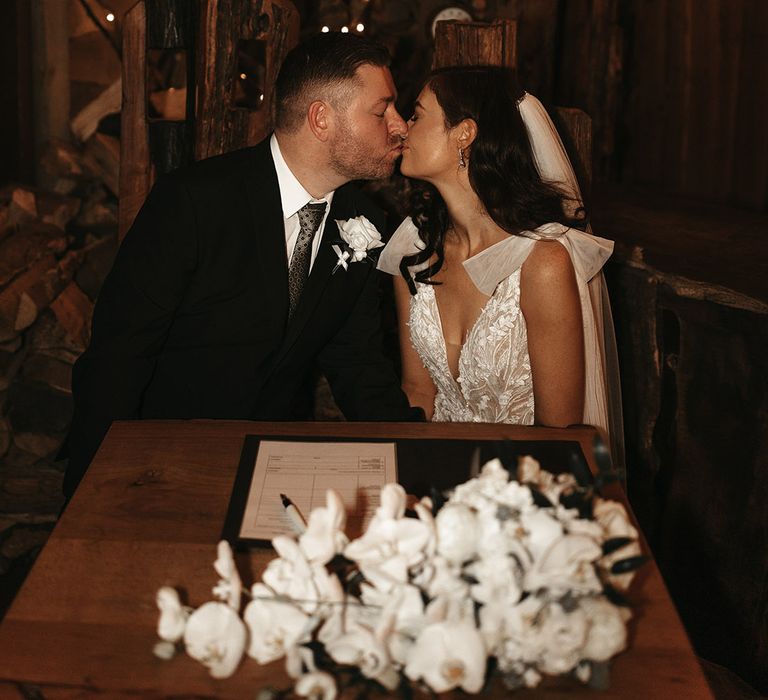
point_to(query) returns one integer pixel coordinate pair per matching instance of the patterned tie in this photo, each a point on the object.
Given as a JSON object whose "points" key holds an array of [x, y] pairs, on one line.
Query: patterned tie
{"points": [[310, 216]]}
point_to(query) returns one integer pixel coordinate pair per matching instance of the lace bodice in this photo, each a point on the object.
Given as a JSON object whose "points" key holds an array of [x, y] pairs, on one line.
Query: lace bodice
{"points": [[494, 383]]}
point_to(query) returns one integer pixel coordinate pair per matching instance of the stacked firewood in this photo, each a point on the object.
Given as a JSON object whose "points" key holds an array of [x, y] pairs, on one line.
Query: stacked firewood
{"points": [[56, 246]]}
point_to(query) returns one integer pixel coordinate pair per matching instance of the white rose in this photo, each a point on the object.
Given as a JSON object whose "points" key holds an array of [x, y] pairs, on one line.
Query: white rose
{"points": [[360, 235]]}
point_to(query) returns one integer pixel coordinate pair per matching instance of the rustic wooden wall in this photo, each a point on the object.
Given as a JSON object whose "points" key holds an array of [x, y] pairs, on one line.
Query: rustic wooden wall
{"points": [[700, 93], [678, 90]]}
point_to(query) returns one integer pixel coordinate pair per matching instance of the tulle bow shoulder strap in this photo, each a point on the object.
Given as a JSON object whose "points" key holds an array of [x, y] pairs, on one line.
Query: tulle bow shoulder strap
{"points": [[404, 241]]}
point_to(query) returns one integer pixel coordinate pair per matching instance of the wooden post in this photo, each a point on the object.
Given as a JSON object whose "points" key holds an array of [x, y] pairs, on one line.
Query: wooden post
{"points": [[267, 27], [476, 44], [213, 122], [135, 166], [50, 77]]}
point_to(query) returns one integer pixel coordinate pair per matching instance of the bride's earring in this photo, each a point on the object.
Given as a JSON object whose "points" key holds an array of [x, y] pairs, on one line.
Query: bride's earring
{"points": [[462, 162]]}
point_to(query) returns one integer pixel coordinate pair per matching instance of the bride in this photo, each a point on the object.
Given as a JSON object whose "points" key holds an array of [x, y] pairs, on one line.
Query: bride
{"points": [[500, 296]]}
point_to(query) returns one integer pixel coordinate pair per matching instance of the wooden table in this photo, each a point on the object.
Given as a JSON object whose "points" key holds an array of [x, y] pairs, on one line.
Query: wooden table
{"points": [[149, 513]]}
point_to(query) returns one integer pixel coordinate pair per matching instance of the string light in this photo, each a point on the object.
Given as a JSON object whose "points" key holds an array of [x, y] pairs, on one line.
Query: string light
{"points": [[325, 29], [243, 76], [110, 17], [344, 30], [360, 27]]}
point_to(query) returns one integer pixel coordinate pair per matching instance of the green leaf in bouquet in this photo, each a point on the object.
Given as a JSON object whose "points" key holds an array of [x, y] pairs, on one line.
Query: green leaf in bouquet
{"points": [[623, 566]]}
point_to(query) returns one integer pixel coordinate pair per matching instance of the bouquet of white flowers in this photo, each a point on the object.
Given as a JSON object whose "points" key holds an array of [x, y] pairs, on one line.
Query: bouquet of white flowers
{"points": [[519, 578]]}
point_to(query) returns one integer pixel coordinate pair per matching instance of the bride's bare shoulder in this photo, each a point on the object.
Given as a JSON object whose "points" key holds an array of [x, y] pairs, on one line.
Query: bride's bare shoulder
{"points": [[548, 261]]}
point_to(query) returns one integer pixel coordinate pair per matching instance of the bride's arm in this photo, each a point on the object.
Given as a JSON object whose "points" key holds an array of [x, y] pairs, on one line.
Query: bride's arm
{"points": [[549, 299], [417, 384]]}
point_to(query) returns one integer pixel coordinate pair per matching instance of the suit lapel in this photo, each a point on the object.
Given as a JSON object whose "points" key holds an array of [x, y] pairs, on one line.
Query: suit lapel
{"points": [[321, 269], [267, 214]]}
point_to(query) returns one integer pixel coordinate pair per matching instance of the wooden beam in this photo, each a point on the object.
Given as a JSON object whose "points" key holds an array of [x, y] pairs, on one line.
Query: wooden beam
{"points": [[221, 125], [135, 165], [50, 73]]}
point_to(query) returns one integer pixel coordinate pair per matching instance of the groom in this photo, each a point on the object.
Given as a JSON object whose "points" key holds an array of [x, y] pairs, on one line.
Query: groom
{"points": [[222, 301]]}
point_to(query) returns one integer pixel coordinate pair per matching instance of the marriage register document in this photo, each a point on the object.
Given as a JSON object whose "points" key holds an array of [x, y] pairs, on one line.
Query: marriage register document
{"points": [[303, 471]]}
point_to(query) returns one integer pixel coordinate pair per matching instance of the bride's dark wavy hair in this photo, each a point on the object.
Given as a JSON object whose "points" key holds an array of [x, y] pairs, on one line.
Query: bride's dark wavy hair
{"points": [[502, 170]]}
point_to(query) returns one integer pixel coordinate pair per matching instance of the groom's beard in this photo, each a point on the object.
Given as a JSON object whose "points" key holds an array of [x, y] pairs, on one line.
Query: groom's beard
{"points": [[356, 159]]}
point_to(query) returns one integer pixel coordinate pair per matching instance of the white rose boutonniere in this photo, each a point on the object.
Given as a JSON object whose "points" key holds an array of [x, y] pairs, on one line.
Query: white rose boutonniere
{"points": [[358, 237]]}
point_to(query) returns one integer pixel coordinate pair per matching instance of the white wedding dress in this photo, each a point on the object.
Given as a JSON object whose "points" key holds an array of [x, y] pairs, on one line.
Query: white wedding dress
{"points": [[494, 382]]}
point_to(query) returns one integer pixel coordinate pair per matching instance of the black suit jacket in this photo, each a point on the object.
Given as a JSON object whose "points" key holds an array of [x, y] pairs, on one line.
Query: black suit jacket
{"points": [[192, 320]]}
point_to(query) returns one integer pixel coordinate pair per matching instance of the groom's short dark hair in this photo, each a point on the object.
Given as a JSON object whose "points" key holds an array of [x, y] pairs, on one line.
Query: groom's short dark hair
{"points": [[318, 66]]}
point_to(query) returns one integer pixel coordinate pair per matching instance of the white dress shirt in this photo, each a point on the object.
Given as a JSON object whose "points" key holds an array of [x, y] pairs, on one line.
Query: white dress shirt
{"points": [[293, 197]]}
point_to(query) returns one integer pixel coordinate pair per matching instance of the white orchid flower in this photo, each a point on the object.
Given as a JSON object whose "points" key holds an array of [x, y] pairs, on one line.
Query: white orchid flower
{"points": [[493, 472], [215, 635], [229, 587], [528, 470], [392, 503], [274, 625], [173, 616], [441, 578], [512, 632], [613, 518], [400, 620], [298, 661], [607, 633], [579, 526], [360, 647], [515, 497], [448, 655], [391, 544], [324, 537], [457, 532], [498, 577], [476, 492], [316, 685], [561, 638], [567, 565], [291, 575], [542, 530]]}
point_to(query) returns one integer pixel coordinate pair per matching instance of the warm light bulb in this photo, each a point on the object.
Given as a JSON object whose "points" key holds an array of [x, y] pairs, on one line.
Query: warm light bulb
{"points": [[325, 29], [243, 76], [110, 17], [360, 26], [344, 30]]}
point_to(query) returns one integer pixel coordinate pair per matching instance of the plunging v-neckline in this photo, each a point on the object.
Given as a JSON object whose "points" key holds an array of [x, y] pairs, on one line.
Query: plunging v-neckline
{"points": [[444, 344]]}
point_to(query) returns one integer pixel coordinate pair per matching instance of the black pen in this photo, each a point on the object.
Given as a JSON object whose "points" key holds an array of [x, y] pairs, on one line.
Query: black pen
{"points": [[294, 514]]}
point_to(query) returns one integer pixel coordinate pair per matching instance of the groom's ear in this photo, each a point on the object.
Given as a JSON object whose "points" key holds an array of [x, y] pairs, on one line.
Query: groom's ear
{"points": [[466, 131], [319, 119]]}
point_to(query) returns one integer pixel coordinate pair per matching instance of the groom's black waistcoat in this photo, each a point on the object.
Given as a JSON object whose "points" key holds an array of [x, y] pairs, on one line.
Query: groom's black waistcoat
{"points": [[192, 321]]}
